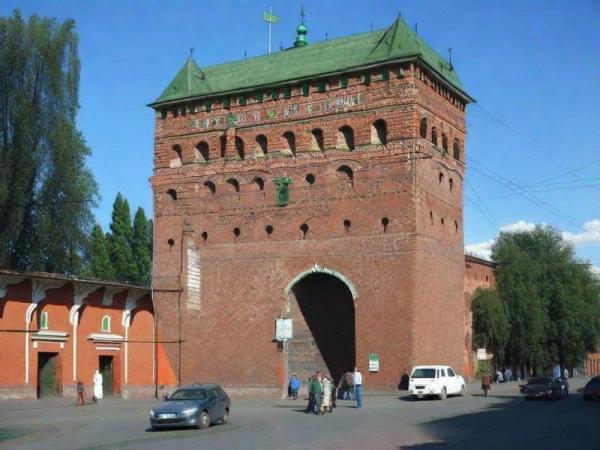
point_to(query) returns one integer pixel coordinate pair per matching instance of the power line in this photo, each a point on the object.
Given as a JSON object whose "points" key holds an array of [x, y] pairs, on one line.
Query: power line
{"points": [[492, 219]]}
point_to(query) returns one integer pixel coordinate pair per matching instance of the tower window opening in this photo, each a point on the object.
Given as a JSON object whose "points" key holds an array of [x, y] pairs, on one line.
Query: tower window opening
{"points": [[236, 232], [260, 183], [269, 230], [423, 128], [223, 145], [263, 143], [171, 243], [385, 222], [451, 183], [210, 186], [441, 177], [379, 132], [202, 151], [304, 229], [347, 225], [239, 147], [172, 193], [290, 140], [317, 139], [234, 184], [456, 149], [310, 178], [434, 136], [204, 236], [445, 142], [345, 138]]}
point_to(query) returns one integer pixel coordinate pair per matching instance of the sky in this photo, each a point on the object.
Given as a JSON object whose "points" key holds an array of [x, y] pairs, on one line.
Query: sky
{"points": [[533, 149]]}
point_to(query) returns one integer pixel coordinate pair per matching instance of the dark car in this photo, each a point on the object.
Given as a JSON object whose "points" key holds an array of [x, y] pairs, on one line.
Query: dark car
{"points": [[591, 390], [549, 388], [196, 405]]}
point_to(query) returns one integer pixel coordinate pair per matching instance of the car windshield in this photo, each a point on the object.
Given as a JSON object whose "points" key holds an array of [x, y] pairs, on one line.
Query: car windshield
{"points": [[423, 373], [540, 382], [188, 394]]}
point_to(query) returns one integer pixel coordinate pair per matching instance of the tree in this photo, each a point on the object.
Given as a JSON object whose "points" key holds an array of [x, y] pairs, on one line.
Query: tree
{"points": [[552, 299], [100, 263], [120, 241], [490, 322], [141, 246], [46, 190]]}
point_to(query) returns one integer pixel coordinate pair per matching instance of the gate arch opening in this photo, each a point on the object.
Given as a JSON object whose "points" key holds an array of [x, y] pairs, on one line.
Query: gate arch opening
{"points": [[322, 310]]}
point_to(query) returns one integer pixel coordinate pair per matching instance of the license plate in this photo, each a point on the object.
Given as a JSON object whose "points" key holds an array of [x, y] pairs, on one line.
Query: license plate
{"points": [[167, 416]]}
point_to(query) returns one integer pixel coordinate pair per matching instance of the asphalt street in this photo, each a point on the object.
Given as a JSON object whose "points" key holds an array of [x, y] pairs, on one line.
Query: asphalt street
{"points": [[503, 421]]}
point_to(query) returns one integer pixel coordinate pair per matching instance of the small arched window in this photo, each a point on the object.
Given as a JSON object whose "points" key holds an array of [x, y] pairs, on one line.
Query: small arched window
{"points": [[223, 145], [235, 185], [262, 144], [260, 183], [451, 183], [346, 173], [290, 140], [444, 141], [318, 142], [423, 128], [345, 138], [210, 186], [379, 132], [106, 324], [202, 153], [44, 321], [434, 138], [441, 177], [177, 155], [172, 194], [239, 147], [456, 149]]}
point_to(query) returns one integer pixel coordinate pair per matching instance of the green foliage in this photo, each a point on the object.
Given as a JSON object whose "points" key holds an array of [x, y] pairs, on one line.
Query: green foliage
{"points": [[46, 190], [142, 247], [490, 322], [120, 240], [552, 299], [100, 264]]}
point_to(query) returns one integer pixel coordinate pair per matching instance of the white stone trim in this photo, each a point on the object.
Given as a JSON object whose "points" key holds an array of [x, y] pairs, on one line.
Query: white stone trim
{"points": [[109, 294], [103, 337], [46, 335], [39, 288], [7, 280], [318, 269], [116, 349]]}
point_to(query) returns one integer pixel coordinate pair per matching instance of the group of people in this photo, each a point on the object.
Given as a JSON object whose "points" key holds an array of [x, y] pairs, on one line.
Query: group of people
{"points": [[322, 392], [98, 391]]}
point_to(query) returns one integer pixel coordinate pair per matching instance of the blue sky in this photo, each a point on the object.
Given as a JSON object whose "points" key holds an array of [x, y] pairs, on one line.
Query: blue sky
{"points": [[534, 67]]}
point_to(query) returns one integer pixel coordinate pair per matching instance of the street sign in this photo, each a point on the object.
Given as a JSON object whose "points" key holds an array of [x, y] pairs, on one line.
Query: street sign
{"points": [[283, 329], [373, 362], [481, 354]]}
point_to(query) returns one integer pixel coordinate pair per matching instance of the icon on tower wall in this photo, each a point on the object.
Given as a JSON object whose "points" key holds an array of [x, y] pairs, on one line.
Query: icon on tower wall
{"points": [[282, 190]]}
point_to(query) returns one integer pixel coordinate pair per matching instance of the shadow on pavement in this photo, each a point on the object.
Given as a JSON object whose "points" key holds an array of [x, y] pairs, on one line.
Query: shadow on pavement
{"points": [[509, 422]]}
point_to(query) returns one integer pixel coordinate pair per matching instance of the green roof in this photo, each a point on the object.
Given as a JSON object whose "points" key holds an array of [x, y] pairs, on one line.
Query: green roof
{"points": [[398, 42]]}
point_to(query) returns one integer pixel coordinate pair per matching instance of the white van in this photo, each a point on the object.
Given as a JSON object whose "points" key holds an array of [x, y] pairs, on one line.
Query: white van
{"points": [[439, 381]]}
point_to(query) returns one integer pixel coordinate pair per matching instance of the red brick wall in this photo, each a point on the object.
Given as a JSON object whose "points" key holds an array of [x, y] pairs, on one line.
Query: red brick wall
{"points": [[400, 274]]}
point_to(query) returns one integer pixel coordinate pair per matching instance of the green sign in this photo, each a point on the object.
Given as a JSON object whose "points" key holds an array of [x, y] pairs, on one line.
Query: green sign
{"points": [[373, 362], [282, 191]]}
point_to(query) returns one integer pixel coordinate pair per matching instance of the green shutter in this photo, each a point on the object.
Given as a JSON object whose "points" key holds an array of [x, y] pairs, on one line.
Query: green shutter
{"points": [[344, 81], [385, 74], [242, 100], [274, 94], [366, 78], [207, 105], [287, 92], [226, 102], [259, 96], [305, 89], [44, 321]]}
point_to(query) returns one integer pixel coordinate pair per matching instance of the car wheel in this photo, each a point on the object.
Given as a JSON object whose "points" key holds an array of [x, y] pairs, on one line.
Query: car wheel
{"points": [[443, 394], [462, 391], [225, 417], [203, 420]]}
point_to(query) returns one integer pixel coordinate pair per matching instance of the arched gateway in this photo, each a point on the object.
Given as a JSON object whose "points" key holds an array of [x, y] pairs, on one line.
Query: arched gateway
{"points": [[321, 303]]}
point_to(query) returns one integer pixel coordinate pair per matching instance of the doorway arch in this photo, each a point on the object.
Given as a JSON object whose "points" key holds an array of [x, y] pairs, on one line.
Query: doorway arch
{"points": [[321, 306]]}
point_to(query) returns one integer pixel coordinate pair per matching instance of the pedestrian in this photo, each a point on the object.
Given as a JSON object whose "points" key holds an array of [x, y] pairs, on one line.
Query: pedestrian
{"points": [[97, 386], [499, 377], [316, 387], [566, 373], [294, 386], [327, 390], [403, 385], [80, 393], [311, 396], [486, 383], [507, 375], [346, 386], [357, 381], [556, 372]]}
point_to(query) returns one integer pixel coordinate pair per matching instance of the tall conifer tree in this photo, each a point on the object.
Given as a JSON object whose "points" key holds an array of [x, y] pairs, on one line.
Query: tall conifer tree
{"points": [[142, 247], [120, 241], [100, 262]]}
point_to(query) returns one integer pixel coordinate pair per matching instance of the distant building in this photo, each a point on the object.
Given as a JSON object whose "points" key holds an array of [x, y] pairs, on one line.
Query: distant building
{"points": [[55, 330], [322, 183]]}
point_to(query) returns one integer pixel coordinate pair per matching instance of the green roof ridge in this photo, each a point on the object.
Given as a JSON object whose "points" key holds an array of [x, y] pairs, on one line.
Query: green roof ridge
{"points": [[343, 54]]}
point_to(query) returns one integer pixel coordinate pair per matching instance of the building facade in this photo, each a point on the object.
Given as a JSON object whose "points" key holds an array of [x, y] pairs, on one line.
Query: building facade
{"points": [[322, 183], [55, 330]]}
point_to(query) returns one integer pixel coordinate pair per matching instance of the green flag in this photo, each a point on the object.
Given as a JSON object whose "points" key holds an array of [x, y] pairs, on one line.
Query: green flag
{"points": [[270, 17]]}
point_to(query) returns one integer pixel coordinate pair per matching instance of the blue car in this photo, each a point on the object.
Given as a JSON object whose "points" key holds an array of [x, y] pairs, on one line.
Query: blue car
{"points": [[196, 405]]}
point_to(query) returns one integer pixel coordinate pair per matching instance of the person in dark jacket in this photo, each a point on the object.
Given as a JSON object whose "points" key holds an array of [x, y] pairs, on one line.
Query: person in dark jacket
{"points": [[486, 383]]}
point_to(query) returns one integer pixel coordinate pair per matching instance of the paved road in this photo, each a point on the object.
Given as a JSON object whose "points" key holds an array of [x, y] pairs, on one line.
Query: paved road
{"points": [[504, 421]]}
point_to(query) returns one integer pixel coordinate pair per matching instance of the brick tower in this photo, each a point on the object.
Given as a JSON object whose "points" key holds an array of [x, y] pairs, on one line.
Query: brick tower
{"points": [[322, 183]]}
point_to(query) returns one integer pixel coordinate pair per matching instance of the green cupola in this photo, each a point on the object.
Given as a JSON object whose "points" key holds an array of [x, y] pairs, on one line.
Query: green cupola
{"points": [[301, 34]]}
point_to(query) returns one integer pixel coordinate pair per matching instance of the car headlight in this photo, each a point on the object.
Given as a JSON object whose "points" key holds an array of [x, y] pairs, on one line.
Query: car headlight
{"points": [[189, 412], [152, 414]]}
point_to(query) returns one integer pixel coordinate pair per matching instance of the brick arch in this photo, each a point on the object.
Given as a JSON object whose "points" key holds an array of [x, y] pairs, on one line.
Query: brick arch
{"points": [[318, 269]]}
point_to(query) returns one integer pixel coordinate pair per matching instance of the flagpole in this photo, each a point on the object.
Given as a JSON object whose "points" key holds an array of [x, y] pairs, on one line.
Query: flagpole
{"points": [[270, 23]]}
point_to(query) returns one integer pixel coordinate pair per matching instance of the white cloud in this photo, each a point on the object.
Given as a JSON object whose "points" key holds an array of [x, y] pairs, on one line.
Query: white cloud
{"points": [[589, 235], [596, 270], [519, 226], [481, 250]]}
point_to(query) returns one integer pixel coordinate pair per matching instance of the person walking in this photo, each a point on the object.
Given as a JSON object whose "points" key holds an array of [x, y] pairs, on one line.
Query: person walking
{"points": [[80, 393], [486, 383], [98, 394], [311, 396], [357, 381], [294, 386], [327, 390], [316, 388]]}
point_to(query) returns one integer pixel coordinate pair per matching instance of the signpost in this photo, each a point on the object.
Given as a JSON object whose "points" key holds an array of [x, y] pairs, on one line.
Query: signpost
{"points": [[283, 333], [481, 354], [373, 362]]}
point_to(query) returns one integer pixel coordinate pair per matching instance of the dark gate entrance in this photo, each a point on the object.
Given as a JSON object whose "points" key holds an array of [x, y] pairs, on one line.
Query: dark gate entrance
{"points": [[106, 369], [322, 310], [47, 377]]}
